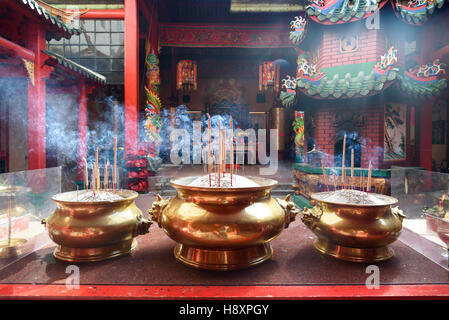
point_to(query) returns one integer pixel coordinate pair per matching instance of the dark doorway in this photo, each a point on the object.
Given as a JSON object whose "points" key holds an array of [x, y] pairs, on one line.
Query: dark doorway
{"points": [[351, 144]]}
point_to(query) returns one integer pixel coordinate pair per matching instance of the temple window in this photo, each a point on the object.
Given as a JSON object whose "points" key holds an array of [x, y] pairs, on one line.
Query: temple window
{"points": [[100, 48]]}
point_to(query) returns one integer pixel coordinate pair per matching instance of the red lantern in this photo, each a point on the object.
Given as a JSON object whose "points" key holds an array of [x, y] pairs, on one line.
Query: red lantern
{"points": [[186, 75], [268, 76]]}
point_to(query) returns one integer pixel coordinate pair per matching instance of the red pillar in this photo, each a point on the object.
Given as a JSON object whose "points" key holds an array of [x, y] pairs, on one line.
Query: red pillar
{"points": [[131, 75], [82, 129], [36, 100], [425, 136]]}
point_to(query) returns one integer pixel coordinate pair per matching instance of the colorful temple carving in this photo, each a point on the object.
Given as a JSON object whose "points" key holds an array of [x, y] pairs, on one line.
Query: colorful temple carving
{"points": [[355, 64]]}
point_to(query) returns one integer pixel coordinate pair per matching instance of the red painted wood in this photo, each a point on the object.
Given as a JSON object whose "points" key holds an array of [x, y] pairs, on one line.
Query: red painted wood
{"points": [[115, 14], [82, 128], [54, 291], [36, 100], [131, 74], [425, 136], [17, 49], [143, 7]]}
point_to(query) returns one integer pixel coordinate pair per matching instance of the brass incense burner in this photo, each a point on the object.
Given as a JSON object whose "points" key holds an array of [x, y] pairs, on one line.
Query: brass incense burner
{"points": [[359, 233], [223, 228], [96, 230]]}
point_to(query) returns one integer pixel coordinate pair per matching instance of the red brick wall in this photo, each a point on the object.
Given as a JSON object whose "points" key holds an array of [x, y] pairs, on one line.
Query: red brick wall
{"points": [[371, 45], [372, 132]]}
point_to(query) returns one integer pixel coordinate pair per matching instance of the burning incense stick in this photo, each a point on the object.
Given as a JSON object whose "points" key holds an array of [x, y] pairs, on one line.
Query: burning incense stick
{"points": [[368, 185], [114, 178], [362, 182], [92, 184], [105, 178], [97, 181], [352, 169], [219, 151], [335, 179], [209, 167], [325, 176], [224, 151], [86, 175], [343, 170], [9, 218], [231, 140]]}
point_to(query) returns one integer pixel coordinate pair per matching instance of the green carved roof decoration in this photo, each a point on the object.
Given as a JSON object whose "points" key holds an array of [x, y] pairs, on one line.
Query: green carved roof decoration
{"points": [[417, 90], [42, 13], [345, 12], [352, 69], [419, 18], [288, 99], [347, 85], [72, 65]]}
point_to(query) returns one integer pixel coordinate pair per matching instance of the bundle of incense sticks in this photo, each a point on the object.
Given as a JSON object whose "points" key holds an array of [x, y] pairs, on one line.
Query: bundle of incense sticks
{"points": [[95, 184], [343, 170], [216, 164], [368, 185], [352, 169], [325, 176]]}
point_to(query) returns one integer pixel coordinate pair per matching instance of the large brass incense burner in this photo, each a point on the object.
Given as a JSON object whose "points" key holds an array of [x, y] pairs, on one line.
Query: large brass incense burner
{"points": [[359, 233], [223, 228], [95, 230]]}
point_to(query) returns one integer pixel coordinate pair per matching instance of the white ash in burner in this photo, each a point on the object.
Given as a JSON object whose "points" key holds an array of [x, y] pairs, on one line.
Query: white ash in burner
{"points": [[352, 197], [99, 196], [225, 182]]}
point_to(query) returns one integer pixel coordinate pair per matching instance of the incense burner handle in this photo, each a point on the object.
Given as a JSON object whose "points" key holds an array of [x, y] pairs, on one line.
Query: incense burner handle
{"points": [[157, 209], [398, 213], [290, 210], [142, 226], [311, 217]]}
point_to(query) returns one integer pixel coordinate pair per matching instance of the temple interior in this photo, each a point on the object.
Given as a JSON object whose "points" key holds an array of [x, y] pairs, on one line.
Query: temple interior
{"points": [[273, 104]]}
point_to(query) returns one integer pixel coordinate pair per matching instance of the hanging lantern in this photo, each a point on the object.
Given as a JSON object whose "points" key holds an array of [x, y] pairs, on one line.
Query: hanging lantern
{"points": [[186, 75], [268, 76]]}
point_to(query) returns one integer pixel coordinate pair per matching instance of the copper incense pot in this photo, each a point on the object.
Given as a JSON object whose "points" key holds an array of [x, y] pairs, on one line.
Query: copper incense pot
{"points": [[223, 228], [95, 230], [354, 232]]}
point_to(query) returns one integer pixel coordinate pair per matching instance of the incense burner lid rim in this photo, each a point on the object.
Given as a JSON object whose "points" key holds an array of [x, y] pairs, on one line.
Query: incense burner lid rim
{"points": [[392, 201], [128, 195], [182, 183]]}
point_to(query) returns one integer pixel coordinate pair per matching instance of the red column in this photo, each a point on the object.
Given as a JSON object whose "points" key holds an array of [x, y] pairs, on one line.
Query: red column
{"points": [[36, 100], [131, 74], [82, 128], [425, 136]]}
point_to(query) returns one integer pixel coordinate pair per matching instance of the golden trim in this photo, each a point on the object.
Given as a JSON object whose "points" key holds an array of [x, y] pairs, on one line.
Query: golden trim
{"points": [[29, 66]]}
